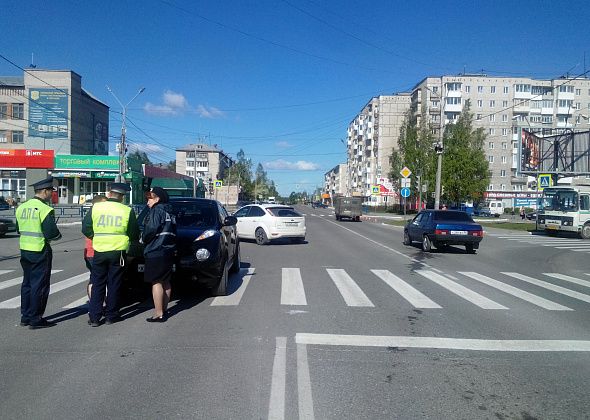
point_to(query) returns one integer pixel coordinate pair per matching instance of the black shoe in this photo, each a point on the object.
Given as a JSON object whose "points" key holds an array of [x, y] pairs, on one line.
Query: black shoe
{"points": [[158, 319], [110, 321], [24, 322], [42, 324], [93, 323]]}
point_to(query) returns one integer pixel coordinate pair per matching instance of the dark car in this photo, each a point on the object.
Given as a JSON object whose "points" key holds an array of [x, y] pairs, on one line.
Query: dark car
{"points": [[441, 228], [531, 216], [7, 226], [208, 248]]}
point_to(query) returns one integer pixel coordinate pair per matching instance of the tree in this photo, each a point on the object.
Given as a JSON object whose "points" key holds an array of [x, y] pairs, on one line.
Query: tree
{"points": [[240, 174], [141, 156], [171, 166], [465, 174]]}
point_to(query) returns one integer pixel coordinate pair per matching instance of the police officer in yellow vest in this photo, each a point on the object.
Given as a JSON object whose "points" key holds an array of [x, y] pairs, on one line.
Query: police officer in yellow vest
{"points": [[35, 221], [111, 225]]}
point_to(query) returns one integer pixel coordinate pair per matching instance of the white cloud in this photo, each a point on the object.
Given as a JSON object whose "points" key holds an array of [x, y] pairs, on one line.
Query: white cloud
{"points": [[173, 103], [209, 112], [283, 144], [144, 147], [300, 165]]}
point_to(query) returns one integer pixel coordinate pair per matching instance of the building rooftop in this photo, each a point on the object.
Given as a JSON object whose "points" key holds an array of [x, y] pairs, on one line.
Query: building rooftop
{"points": [[16, 81], [199, 147]]}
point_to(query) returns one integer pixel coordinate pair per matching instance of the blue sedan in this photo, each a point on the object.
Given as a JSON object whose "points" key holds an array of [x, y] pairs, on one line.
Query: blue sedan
{"points": [[441, 228]]}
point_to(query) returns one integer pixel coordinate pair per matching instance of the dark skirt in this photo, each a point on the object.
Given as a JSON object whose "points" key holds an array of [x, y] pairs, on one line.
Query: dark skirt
{"points": [[158, 269]]}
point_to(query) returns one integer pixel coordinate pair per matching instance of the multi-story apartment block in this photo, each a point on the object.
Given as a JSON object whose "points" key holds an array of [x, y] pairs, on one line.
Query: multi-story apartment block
{"points": [[202, 161], [335, 180], [372, 136]]}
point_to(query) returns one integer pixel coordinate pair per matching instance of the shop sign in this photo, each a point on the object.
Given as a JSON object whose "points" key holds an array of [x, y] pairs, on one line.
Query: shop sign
{"points": [[69, 174], [87, 162], [105, 175], [48, 113], [26, 158], [13, 174]]}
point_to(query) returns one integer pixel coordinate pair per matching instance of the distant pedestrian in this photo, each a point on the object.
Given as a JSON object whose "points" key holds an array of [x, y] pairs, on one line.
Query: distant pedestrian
{"points": [[522, 213], [89, 250], [35, 221], [111, 225], [159, 240]]}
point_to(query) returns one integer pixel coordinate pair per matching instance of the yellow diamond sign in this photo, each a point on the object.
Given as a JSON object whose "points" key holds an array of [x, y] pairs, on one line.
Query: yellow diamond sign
{"points": [[405, 172]]}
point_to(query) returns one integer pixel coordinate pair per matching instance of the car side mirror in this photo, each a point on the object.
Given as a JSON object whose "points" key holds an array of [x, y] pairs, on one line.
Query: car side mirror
{"points": [[230, 221]]}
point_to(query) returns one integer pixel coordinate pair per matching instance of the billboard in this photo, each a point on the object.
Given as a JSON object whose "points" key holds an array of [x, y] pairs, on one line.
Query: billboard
{"points": [[48, 113], [85, 162], [26, 158], [101, 139]]}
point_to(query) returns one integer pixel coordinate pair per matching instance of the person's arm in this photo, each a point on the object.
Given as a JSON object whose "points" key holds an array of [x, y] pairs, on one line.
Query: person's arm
{"points": [[49, 228], [132, 227], [87, 228]]}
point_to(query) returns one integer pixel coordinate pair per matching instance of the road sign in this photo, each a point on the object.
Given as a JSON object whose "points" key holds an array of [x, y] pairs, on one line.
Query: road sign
{"points": [[405, 192], [405, 172], [544, 181], [405, 182], [218, 183], [375, 190]]}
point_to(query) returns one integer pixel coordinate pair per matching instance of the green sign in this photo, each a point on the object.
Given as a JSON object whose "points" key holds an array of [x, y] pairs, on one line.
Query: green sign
{"points": [[104, 175], [87, 162]]}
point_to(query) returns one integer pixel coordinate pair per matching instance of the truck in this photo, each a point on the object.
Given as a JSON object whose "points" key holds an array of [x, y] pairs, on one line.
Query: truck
{"points": [[565, 208], [348, 208], [272, 200]]}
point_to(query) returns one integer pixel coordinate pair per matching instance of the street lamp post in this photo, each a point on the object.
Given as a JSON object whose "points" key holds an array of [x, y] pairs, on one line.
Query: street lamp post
{"points": [[122, 145]]}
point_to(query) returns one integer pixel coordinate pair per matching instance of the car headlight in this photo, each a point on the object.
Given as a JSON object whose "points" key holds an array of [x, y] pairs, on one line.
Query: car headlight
{"points": [[205, 235], [202, 254]]}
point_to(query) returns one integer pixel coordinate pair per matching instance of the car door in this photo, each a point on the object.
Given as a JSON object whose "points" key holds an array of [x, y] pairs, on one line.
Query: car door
{"points": [[256, 219], [414, 227], [244, 227], [228, 231]]}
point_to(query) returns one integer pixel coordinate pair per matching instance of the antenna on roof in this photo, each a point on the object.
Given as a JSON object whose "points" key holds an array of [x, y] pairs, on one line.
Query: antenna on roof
{"points": [[32, 65]]}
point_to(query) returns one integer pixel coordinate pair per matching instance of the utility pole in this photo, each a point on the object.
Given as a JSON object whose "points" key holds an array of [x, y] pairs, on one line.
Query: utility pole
{"points": [[195, 172], [122, 145], [438, 148]]}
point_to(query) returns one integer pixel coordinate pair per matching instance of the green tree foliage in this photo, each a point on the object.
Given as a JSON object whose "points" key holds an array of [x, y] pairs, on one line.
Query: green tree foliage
{"points": [[171, 166], [241, 174], [141, 156], [465, 174]]}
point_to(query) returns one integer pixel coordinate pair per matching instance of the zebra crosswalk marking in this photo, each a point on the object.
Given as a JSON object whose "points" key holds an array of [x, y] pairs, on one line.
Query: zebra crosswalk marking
{"points": [[57, 287], [569, 278], [292, 291], [5, 271], [350, 291], [550, 286], [235, 298], [82, 302], [17, 280], [416, 298], [521, 294], [461, 291]]}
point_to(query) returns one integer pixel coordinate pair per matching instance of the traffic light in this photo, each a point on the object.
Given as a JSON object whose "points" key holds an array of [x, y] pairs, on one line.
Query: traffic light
{"points": [[442, 190]]}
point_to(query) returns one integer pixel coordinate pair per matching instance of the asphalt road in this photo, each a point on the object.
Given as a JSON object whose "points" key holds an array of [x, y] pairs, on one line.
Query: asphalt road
{"points": [[351, 324]]}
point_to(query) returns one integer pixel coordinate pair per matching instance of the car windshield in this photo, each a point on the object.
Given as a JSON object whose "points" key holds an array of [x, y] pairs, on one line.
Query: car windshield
{"points": [[196, 214], [455, 216], [283, 212], [559, 200]]}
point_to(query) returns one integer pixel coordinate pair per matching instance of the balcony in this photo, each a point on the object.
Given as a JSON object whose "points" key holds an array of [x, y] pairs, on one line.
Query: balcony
{"points": [[453, 108]]}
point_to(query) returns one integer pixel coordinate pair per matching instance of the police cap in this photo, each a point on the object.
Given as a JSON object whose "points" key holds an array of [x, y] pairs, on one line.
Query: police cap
{"points": [[44, 184], [161, 193], [120, 188]]}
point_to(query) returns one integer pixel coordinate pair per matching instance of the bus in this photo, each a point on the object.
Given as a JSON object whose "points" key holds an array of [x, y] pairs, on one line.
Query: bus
{"points": [[565, 208]]}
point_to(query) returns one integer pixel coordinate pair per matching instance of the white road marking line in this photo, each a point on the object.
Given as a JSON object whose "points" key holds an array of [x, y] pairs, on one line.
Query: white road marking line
{"points": [[514, 291], [276, 404], [580, 247], [5, 271], [235, 297], [17, 280], [461, 291], [416, 298], [443, 343], [569, 278], [292, 291], [54, 288], [350, 291], [305, 402], [550, 286], [80, 303]]}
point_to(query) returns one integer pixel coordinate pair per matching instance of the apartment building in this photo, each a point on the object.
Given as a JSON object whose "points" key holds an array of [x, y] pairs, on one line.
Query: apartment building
{"points": [[202, 161], [372, 136], [335, 181]]}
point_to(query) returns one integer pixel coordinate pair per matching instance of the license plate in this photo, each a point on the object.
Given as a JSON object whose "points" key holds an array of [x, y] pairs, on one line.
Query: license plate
{"points": [[458, 232], [291, 223], [140, 268], [554, 227]]}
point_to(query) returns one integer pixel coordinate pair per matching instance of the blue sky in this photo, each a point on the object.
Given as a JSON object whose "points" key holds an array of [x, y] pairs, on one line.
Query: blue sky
{"points": [[280, 79]]}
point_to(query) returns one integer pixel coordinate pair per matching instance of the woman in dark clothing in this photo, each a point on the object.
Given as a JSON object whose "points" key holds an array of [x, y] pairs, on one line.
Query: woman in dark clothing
{"points": [[159, 240]]}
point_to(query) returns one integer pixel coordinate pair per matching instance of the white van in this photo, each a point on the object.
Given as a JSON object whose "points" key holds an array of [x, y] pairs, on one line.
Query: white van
{"points": [[495, 208]]}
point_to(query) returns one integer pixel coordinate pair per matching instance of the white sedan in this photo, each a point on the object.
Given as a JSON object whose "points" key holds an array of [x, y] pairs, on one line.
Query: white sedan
{"points": [[265, 222]]}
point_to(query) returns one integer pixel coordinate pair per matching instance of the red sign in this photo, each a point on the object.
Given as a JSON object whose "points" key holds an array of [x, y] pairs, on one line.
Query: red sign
{"points": [[386, 192], [27, 158]]}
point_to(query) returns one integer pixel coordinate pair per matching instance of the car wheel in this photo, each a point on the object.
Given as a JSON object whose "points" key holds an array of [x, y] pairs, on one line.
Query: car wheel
{"points": [[235, 267], [585, 233], [407, 240], [261, 238], [337, 217], [221, 289], [470, 249], [426, 244]]}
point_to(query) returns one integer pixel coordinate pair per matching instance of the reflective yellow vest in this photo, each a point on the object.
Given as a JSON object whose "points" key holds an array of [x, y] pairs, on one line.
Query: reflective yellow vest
{"points": [[30, 215], [109, 223]]}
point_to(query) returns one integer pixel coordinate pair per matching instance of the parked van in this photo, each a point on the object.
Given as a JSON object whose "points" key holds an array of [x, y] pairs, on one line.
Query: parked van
{"points": [[493, 208]]}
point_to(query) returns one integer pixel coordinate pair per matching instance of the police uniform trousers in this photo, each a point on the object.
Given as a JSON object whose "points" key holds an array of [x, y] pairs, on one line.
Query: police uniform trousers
{"points": [[107, 277], [35, 287]]}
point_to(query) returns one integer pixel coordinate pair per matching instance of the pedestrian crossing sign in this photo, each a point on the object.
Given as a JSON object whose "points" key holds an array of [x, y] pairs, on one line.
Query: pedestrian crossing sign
{"points": [[544, 181], [375, 190], [218, 183]]}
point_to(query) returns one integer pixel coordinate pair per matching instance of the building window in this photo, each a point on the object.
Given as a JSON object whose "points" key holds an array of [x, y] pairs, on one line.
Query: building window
{"points": [[503, 187], [492, 118], [503, 173], [434, 104], [453, 87], [3, 111], [504, 132], [467, 88], [435, 89], [478, 117], [492, 131], [547, 119], [492, 104], [18, 137], [491, 187], [18, 111], [565, 103], [3, 138], [547, 103], [504, 104], [578, 92], [504, 145], [522, 88], [492, 89], [479, 103], [504, 117], [566, 88], [491, 145], [503, 159], [578, 105], [506, 89], [453, 101], [490, 159], [480, 89]]}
